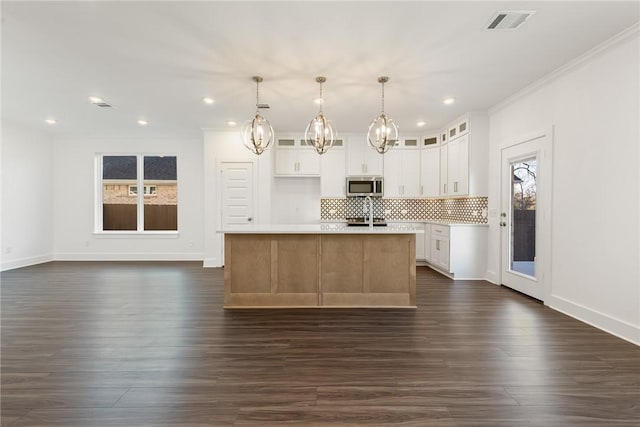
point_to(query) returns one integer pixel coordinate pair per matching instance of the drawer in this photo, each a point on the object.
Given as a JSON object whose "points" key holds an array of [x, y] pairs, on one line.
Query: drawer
{"points": [[439, 230]]}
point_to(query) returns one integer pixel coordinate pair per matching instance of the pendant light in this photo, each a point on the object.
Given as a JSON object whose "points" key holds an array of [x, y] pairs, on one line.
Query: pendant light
{"points": [[383, 132], [319, 133], [257, 133]]}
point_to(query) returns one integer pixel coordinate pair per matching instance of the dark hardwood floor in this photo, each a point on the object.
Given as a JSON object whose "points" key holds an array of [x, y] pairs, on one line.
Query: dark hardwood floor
{"points": [[148, 344]]}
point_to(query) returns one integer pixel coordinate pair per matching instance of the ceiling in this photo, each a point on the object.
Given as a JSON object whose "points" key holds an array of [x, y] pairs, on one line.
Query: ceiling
{"points": [[157, 60]]}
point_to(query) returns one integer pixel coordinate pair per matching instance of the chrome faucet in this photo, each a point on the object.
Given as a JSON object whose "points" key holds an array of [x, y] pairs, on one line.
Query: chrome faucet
{"points": [[369, 201]]}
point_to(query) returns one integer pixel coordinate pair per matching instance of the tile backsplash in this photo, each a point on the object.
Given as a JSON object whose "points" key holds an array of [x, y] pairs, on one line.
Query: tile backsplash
{"points": [[464, 209]]}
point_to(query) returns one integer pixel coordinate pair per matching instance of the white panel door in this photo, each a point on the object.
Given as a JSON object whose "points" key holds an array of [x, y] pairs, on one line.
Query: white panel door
{"points": [[237, 193]]}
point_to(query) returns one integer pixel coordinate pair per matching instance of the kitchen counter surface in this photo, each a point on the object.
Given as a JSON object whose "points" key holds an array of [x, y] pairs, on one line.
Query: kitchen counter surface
{"points": [[323, 228]]}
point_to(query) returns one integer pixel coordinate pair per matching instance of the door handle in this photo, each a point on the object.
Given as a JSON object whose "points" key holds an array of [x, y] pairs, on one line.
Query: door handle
{"points": [[503, 224], [249, 219]]}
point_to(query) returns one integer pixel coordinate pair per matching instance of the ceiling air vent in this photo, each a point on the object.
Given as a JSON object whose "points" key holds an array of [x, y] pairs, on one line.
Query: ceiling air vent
{"points": [[509, 19]]}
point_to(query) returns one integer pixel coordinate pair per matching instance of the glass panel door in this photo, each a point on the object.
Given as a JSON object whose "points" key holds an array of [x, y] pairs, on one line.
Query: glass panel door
{"points": [[523, 217]]}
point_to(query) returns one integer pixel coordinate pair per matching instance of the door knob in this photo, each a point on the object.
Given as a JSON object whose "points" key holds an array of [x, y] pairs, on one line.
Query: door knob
{"points": [[503, 224], [249, 219]]}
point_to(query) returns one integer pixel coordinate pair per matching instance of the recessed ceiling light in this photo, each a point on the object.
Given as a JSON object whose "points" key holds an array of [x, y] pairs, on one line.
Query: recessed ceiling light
{"points": [[448, 101], [96, 100], [208, 100], [142, 122], [421, 123], [50, 121], [231, 123]]}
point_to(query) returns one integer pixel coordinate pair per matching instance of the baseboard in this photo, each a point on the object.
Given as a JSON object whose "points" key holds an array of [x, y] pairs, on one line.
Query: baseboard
{"points": [[211, 263], [25, 262], [131, 256], [492, 277], [611, 325]]}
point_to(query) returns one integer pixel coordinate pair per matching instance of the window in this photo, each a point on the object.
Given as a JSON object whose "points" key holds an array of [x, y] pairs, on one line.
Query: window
{"points": [[122, 208]]}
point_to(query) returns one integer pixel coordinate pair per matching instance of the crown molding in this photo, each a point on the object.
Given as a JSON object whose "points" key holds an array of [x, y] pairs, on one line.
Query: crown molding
{"points": [[619, 38]]}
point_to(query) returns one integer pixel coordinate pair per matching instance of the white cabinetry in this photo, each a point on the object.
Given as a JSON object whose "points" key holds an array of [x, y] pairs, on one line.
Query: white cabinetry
{"points": [[440, 247], [427, 242], [333, 167], [295, 158], [402, 169], [458, 166], [430, 167], [444, 169], [420, 246], [362, 159], [464, 157], [458, 250]]}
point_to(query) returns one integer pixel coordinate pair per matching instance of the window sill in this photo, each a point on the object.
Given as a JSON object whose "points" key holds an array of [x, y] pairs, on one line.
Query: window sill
{"points": [[136, 234]]}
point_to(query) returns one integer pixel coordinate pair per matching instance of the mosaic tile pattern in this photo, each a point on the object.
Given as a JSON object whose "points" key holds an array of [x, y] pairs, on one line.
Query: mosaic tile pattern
{"points": [[466, 209]]}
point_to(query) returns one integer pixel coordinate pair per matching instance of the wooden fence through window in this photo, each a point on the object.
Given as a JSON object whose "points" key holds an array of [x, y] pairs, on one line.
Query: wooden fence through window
{"points": [[124, 217]]}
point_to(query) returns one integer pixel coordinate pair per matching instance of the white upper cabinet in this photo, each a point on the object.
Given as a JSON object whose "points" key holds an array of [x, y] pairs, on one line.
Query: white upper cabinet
{"points": [[464, 157], [293, 157], [444, 169], [362, 159], [333, 166], [458, 166], [402, 169], [430, 166]]}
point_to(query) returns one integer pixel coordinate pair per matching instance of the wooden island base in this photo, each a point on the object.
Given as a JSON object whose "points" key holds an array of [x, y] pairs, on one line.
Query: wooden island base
{"points": [[319, 270]]}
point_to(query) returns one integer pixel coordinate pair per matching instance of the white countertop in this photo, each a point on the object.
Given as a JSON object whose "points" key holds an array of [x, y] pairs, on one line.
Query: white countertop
{"points": [[325, 228]]}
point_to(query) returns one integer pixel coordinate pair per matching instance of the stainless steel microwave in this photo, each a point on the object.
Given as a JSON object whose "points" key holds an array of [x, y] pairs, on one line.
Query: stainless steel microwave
{"points": [[361, 186]]}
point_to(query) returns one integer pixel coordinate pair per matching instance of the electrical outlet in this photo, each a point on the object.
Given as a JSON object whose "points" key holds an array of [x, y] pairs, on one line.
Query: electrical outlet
{"points": [[474, 213], [484, 213], [332, 211], [387, 211]]}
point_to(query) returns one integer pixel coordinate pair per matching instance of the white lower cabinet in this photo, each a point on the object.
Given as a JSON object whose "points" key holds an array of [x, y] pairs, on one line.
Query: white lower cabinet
{"points": [[458, 250], [439, 245], [420, 243]]}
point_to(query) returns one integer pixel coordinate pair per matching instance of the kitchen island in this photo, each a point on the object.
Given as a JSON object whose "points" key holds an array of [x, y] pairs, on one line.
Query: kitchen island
{"points": [[319, 265]]}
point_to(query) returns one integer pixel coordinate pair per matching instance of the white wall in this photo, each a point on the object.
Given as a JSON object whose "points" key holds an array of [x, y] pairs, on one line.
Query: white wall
{"points": [[74, 202], [593, 106], [222, 147], [27, 194]]}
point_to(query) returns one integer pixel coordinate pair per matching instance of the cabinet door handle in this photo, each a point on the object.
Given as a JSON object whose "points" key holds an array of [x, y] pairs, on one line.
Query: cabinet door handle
{"points": [[455, 187], [445, 188], [438, 244], [421, 190]]}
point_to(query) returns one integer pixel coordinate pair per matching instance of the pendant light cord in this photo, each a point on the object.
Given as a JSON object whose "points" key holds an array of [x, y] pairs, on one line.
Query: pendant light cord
{"points": [[321, 98], [382, 101], [257, 95]]}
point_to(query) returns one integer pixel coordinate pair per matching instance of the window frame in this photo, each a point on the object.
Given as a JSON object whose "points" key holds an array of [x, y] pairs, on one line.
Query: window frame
{"points": [[98, 203]]}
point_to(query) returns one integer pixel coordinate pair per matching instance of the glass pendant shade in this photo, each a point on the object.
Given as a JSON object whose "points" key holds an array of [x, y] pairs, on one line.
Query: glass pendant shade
{"points": [[257, 133], [383, 132], [320, 133]]}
